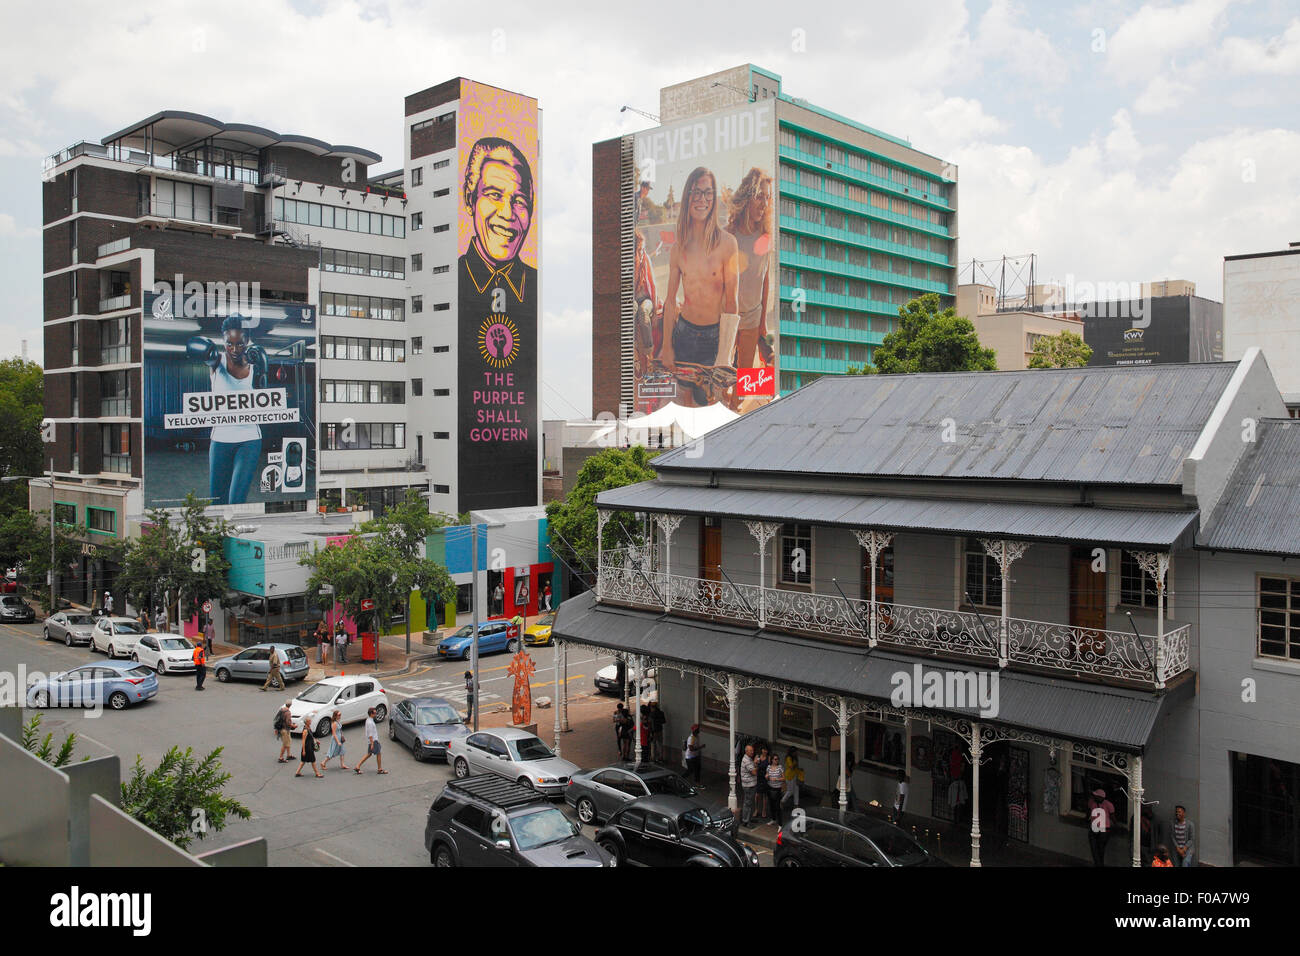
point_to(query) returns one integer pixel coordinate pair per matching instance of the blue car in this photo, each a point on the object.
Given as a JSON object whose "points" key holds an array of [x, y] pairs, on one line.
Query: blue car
{"points": [[493, 636], [117, 684]]}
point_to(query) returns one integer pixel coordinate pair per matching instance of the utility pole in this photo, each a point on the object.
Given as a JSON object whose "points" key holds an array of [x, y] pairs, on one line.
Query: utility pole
{"points": [[473, 537]]}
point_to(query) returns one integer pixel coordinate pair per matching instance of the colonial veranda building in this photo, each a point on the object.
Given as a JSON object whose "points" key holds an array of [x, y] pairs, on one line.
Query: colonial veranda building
{"points": [[1052, 529]]}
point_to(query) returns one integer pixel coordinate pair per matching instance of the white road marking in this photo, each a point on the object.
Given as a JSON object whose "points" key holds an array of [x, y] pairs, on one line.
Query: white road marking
{"points": [[333, 857]]}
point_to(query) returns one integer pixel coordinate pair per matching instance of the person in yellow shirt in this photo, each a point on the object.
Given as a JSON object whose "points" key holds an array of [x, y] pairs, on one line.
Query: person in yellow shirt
{"points": [[793, 778]]}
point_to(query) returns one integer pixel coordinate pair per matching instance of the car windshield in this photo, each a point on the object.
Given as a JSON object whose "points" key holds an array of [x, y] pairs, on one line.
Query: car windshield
{"points": [[545, 621], [175, 644], [529, 748], [466, 631], [318, 694], [669, 784], [139, 672], [901, 849], [436, 714], [540, 827], [129, 627], [80, 619]]}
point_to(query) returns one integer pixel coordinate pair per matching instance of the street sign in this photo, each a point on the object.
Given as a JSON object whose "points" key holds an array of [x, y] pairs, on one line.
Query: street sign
{"points": [[207, 607], [367, 604]]}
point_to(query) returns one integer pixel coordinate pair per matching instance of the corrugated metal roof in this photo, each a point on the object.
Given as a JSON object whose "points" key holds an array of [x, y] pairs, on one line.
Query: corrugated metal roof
{"points": [[1062, 708], [1106, 424], [1113, 527], [1260, 508]]}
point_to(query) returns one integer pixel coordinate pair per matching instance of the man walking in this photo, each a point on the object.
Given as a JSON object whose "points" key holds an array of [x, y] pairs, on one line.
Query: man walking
{"points": [[273, 675], [691, 752], [657, 721], [1101, 813], [373, 747], [200, 666], [1184, 833], [209, 632], [341, 644], [469, 697], [283, 730], [108, 603], [748, 785]]}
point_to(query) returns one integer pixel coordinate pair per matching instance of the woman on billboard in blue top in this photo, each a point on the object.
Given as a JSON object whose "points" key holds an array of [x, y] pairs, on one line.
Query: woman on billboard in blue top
{"points": [[234, 451]]}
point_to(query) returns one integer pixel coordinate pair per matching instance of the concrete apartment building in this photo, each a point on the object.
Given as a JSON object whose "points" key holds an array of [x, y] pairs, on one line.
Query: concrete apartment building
{"points": [[1261, 309], [1011, 334], [864, 223]]}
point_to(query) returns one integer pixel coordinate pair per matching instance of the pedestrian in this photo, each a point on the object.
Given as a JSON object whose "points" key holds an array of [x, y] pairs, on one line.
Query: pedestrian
{"points": [[691, 748], [793, 778], [845, 783], [200, 666], [900, 798], [546, 598], [469, 697], [1162, 857], [273, 673], [1101, 813], [647, 734], [498, 599], [322, 642], [775, 787], [307, 755], [373, 747], [108, 602], [209, 632], [336, 742], [159, 619], [517, 624], [658, 720], [1184, 834], [760, 791], [625, 726], [618, 724], [748, 786], [284, 730], [341, 644]]}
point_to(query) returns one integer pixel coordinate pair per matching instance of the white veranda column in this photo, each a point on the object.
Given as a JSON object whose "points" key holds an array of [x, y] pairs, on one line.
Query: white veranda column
{"points": [[668, 524], [640, 673], [875, 543], [1005, 553], [602, 518], [976, 749], [731, 743], [1156, 564], [555, 702], [564, 694], [1135, 797], [763, 532], [842, 727]]}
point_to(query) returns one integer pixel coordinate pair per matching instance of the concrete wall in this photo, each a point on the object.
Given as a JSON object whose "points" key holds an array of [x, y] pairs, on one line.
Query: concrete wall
{"points": [[1261, 308]]}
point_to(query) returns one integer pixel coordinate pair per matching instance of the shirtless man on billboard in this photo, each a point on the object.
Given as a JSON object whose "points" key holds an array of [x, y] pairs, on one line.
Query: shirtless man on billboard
{"points": [[704, 263]]}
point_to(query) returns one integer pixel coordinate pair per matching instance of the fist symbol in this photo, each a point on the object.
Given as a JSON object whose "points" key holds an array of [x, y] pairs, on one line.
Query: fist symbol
{"points": [[498, 340]]}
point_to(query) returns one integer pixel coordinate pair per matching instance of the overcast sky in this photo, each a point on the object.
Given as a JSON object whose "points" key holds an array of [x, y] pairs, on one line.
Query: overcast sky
{"points": [[1119, 141]]}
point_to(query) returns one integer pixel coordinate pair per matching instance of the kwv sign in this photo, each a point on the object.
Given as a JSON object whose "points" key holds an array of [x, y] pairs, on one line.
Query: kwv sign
{"points": [[756, 381]]}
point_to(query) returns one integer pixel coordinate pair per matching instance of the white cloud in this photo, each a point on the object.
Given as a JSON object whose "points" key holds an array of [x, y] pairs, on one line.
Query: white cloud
{"points": [[1146, 43], [1002, 42], [1278, 56], [1161, 94], [9, 227]]}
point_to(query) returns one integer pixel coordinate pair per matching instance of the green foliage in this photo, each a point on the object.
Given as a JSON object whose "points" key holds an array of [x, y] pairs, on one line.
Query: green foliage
{"points": [[163, 560], [1066, 350], [45, 748], [572, 522], [22, 408], [25, 542], [930, 340], [174, 797]]}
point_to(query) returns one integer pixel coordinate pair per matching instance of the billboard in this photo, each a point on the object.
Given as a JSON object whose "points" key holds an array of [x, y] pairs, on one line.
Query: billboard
{"points": [[705, 261], [229, 400], [1156, 331], [497, 274]]}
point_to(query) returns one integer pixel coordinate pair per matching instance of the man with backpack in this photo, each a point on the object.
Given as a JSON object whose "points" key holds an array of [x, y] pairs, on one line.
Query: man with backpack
{"points": [[283, 726]]}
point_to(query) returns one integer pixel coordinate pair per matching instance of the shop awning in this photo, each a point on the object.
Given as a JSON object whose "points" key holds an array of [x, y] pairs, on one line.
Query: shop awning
{"points": [[1113, 527], [1066, 709]]}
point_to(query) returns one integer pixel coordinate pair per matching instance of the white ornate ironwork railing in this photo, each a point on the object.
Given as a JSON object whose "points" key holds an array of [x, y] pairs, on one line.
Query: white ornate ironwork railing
{"points": [[626, 578]]}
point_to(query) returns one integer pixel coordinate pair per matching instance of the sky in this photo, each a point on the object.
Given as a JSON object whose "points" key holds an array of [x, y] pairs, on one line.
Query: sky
{"points": [[1117, 141]]}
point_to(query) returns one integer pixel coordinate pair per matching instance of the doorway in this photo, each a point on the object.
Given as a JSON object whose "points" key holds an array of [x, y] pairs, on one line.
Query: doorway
{"points": [[884, 583], [1087, 604], [710, 559]]}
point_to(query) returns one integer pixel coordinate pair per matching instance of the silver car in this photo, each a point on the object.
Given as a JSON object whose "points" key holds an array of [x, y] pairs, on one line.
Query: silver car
{"points": [[70, 627], [514, 754], [254, 663]]}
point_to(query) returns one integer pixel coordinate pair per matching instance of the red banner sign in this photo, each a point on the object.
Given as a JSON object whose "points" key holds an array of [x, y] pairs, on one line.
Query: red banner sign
{"points": [[756, 381], [367, 604]]}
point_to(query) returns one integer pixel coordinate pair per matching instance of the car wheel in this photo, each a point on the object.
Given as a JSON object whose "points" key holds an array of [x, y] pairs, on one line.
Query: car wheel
{"points": [[162, 666], [789, 860], [136, 658], [442, 856], [586, 811], [392, 731], [111, 652], [380, 713], [323, 728], [461, 767], [417, 751], [118, 700], [46, 632], [67, 639], [223, 675], [41, 699], [525, 782], [613, 849], [512, 646]]}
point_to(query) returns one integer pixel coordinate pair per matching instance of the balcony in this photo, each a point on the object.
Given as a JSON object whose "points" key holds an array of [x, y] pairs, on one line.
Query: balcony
{"points": [[113, 303], [195, 213], [1112, 656]]}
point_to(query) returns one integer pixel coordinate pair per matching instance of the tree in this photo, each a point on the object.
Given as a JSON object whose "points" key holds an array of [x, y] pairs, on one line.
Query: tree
{"points": [[181, 798], [22, 408], [930, 340], [180, 555], [45, 749], [1066, 350], [572, 522], [25, 543]]}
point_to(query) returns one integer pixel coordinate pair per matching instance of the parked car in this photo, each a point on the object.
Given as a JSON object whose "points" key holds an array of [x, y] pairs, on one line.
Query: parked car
{"points": [[614, 679], [597, 794], [117, 636], [493, 636], [254, 663], [539, 632], [111, 683], [14, 608], [512, 753], [426, 725], [351, 696], [70, 627], [165, 653], [487, 821], [830, 837], [670, 831]]}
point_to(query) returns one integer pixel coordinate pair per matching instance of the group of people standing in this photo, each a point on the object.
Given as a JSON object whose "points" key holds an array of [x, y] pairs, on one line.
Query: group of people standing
{"points": [[653, 722], [768, 784], [1182, 833], [324, 642]]}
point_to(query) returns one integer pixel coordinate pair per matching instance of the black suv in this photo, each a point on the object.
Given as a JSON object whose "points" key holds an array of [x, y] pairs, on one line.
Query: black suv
{"points": [[487, 821]]}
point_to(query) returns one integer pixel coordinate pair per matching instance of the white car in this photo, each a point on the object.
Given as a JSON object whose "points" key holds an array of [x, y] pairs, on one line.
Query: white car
{"points": [[351, 696], [116, 636], [615, 679], [165, 653]]}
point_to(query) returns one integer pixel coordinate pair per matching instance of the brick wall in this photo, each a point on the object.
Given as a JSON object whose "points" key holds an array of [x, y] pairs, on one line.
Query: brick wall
{"points": [[446, 92]]}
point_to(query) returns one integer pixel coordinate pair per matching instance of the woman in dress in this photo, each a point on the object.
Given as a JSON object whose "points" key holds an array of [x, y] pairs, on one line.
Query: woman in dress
{"points": [[336, 742], [308, 754]]}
